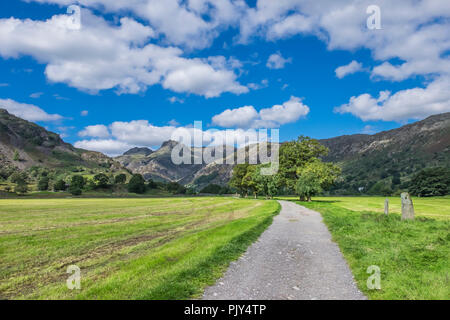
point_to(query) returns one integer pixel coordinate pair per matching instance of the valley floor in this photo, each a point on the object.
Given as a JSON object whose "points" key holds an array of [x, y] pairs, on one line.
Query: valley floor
{"points": [[167, 248]]}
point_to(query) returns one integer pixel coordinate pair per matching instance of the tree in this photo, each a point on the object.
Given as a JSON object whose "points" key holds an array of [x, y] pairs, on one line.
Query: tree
{"points": [[431, 182], [249, 182], [43, 183], [212, 189], [295, 155], [18, 177], [175, 188], [308, 185], [265, 184], [120, 179], [101, 180], [136, 184], [21, 188], [77, 182], [75, 190], [315, 177], [239, 171], [60, 185]]}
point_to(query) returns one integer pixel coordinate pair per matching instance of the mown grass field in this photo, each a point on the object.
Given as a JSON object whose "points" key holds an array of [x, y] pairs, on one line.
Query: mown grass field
{"points": [[164, 248], [414, 256]]}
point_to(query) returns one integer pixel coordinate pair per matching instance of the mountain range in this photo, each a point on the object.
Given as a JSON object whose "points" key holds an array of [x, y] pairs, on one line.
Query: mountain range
{"points": [[390, 157]]}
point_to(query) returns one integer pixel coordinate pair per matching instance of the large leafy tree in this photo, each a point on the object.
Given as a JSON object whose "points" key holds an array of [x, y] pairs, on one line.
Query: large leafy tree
{"points": [[136, 184], [120, 178], [266, 184], [43, 183], [295, 155], [236, 181], [431, 182], [101, 180], [315, 177]]}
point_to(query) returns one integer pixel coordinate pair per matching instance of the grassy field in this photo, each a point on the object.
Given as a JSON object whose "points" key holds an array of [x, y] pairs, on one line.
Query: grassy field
{"points": [[126, 248], [414, 256], [437, 207]]}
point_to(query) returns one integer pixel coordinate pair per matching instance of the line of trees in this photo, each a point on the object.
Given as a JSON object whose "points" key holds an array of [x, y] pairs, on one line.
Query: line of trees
{"points": [[301, 171]]}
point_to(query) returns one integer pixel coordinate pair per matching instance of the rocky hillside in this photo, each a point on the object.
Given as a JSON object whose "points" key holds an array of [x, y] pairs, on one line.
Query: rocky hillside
{"points": [[391, 157], [158, 165], [25, 144]]}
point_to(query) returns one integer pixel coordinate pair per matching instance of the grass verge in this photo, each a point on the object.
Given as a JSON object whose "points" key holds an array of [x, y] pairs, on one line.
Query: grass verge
{"points": [[414, 256]]}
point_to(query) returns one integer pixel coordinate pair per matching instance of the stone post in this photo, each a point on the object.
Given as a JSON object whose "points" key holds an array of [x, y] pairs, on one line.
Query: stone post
{"points": [[407, 207], [386, 206]]}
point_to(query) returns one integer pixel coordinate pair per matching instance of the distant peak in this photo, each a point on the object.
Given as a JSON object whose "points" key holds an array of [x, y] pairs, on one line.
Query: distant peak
{"points": [[133, 151], [169, 144]]}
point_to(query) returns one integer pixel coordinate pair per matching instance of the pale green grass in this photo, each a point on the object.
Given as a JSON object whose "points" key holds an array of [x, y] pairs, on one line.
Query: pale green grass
{"points": [[413, 256], [436, 207], [164, 248]]}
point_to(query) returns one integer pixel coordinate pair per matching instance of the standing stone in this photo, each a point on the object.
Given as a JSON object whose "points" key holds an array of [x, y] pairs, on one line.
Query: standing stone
{"points": [[386, 206], [407, 207]]}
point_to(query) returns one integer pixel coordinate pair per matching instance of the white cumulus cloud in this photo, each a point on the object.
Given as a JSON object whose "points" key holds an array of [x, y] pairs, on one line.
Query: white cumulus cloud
{"points": [[103, 56], [28, 112], [248, 117], [417, 103], [350, 68], [96, 131], [276, 61]]}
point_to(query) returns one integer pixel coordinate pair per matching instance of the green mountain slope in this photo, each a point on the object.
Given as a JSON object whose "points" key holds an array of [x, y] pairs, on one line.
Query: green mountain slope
{"points": [[24, 145], [390, 158]]}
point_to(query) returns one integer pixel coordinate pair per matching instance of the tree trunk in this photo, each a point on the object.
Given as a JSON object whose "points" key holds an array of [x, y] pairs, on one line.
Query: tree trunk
{"points": [[302, 198], [309, 198]]}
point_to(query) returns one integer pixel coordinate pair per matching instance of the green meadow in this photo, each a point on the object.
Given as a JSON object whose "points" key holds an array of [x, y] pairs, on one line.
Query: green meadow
{"points": [[160, 248], [413, 256]]}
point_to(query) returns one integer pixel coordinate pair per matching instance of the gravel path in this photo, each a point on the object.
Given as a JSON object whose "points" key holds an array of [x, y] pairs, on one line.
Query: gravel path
{"points": [[293, 259]]}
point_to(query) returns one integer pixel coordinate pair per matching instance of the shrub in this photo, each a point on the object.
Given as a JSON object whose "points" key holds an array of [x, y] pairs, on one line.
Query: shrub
{"points": [[77, 182], [43, 184], [431, 182], [101, 180], [75, 190], [136, 184], [60, 185], [120, 179], [21, 188]]}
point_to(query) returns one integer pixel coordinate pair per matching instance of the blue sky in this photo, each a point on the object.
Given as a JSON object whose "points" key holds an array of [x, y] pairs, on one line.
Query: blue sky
{"points": [[202, 59]]}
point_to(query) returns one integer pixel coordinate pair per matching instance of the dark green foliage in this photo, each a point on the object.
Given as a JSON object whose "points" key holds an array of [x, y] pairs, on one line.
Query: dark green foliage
{"points": [[120, 179], [152, 184], [21, 188], [75, 190], [60, 185], [431, 182], [136, 184], [19, 177], [211, 189], [239, 171], [43, 183], [101, 180], [380, 189], [77, 182], [175, 188], [206, 179]]}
